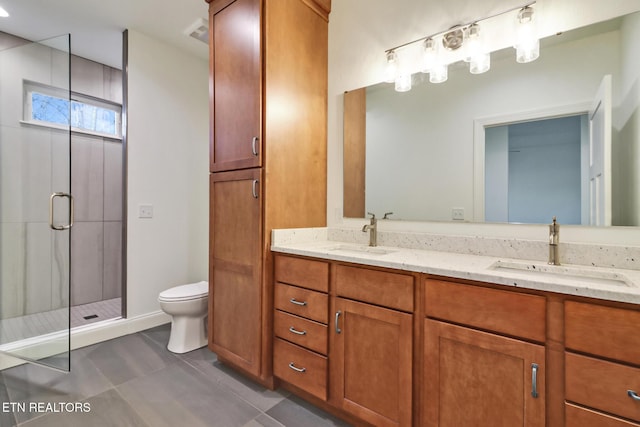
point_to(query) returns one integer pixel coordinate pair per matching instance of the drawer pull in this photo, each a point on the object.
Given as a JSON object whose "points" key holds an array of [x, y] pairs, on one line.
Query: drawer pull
{"points": [[254, 145], [294, 331], [301, 370], [337, 324], [632, 394], [296, 302], [534, 380]]}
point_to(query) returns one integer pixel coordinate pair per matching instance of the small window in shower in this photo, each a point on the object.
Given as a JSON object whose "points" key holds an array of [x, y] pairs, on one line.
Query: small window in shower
{"points": [[50, 106]]}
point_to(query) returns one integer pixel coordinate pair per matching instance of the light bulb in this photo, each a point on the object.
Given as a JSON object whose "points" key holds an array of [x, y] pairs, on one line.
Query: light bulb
{"points": [[429, 55], [391, 70], [480, 63], [439, 73], [527, 42], [477, 56], [403, 82]]}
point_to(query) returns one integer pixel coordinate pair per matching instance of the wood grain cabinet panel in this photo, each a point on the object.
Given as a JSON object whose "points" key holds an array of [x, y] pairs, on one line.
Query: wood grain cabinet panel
{"points": [[382, 288], [301, 331], [302, 302], [506, 312], [236, 89], [577, 416], [302, 368], [371, 363], [235, 268], [602, 385], [608, 332], [303, 273], [474, 378]]}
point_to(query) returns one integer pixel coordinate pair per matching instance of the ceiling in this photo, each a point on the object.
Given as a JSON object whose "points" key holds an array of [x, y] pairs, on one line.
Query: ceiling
{"points": [[96, 26]]}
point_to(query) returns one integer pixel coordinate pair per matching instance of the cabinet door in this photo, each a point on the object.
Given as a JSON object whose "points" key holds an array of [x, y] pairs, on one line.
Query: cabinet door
{"points": [[371, 363], [235, 90], [235, 267], [477, 378]]}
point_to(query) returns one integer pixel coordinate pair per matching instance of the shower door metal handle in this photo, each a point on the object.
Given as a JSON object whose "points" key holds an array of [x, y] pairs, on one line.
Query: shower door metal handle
{"points": [[61, 227]]}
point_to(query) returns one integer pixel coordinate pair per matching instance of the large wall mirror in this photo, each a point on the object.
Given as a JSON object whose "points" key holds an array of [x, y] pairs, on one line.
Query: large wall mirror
{"points": [[520, 143]]}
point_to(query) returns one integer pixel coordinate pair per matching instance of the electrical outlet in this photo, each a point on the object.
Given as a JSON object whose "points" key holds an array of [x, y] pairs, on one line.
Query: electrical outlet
{"points": [[145, 211], [457, 214]]}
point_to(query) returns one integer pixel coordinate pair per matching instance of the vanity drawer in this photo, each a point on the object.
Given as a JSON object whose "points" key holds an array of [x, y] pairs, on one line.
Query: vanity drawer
{"points": [[302, 272], [576, 416], [603, 331], [303, 302], [300, 367], [306, 333], [511, 313], [390, 290], [602, 385]]}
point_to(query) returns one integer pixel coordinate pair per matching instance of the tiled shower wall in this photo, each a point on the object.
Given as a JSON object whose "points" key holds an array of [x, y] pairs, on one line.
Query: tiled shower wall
{"points": [[96, 184], [30, 276]]}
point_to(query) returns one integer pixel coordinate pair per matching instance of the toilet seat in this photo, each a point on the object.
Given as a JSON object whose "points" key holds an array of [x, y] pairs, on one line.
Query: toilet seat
{"points": [[185, 292]]}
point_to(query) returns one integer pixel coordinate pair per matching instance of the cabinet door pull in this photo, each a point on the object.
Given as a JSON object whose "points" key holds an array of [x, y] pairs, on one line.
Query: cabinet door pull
{"points": [[534, 380], [296, 302], [338, 330], [632, 394], [254, 189], [295, 331], [293, 366], [254, 145]]}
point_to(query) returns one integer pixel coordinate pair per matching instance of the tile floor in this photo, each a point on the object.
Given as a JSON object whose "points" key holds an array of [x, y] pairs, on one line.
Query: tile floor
{"points": [[135, 381]]}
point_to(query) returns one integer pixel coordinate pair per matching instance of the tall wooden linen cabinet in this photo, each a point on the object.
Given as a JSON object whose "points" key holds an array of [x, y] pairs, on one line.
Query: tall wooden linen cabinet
{"points": [[268, 159]]}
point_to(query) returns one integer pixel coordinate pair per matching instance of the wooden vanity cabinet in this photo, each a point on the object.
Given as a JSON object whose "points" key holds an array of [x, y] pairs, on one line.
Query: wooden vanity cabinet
{"points": [[479, 366], [602, 365], [371, 358], [268, 103]]}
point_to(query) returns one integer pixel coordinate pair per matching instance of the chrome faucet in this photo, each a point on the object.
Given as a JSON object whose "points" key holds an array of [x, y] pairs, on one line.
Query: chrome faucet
{"points": [[554, 240], [372, 228]]}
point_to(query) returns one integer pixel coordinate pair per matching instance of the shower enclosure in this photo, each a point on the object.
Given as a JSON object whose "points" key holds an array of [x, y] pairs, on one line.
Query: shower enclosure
{"points": [[36, 207]]}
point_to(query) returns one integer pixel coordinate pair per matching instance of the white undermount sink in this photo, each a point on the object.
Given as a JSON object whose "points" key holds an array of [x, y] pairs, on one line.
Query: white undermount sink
{"points": [[360, 249], [581, 274]]}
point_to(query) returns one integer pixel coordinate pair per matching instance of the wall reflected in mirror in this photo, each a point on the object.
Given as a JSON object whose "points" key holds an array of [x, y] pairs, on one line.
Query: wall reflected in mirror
{"points": [[431, 154]]}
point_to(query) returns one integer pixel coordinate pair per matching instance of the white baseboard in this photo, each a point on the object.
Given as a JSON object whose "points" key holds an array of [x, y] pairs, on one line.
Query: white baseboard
{"points": [[84, 336]]}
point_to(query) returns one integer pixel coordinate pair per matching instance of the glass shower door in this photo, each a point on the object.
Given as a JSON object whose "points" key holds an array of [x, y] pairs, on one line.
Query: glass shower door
{"points": [[36, 208]]}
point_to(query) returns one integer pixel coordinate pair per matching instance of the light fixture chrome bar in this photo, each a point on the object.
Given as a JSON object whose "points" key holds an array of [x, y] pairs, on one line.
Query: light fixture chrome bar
{"points": [[459, 26]]}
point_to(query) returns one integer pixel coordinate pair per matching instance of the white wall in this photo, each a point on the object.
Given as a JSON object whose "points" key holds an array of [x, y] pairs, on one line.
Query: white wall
{"points": [[359, 33], [167, 168]]}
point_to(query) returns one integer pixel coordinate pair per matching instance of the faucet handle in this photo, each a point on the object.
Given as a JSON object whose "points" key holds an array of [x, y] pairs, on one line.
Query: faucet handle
{"points": [[373, 216], [386, 215]]}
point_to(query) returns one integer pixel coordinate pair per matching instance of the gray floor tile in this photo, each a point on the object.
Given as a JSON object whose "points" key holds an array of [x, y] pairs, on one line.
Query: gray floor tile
{"points": [[128, 357], [7, 419], [159, 334], [181, 395], [253, 393], [263, 421], [107, 409], [296, 412], [32, 383]]}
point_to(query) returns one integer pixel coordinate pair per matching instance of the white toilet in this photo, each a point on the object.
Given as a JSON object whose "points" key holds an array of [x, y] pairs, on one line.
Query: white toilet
{"points": [[187, 304]]}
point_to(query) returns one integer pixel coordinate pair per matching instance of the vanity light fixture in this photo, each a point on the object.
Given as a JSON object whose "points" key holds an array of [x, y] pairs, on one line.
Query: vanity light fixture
{"points": [[3, 13], [474, 46]]}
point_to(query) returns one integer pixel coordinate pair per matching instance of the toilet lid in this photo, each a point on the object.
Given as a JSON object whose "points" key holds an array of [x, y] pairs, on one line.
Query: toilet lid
{"points": [[185, 292]]}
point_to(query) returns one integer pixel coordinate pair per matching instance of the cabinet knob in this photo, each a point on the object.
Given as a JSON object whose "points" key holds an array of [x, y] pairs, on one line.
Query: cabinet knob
{"points": [[632, 394]]}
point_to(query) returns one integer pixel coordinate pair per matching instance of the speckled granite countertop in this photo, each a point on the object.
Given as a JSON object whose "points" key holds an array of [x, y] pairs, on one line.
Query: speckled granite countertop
{"points": [[614, 284]]}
